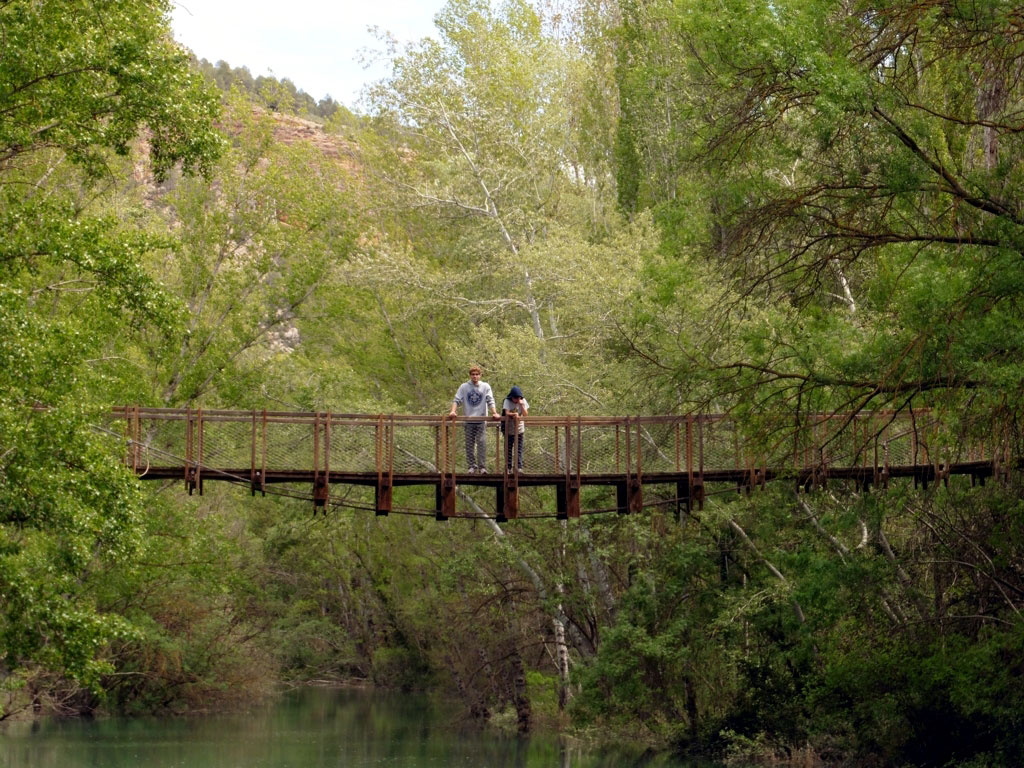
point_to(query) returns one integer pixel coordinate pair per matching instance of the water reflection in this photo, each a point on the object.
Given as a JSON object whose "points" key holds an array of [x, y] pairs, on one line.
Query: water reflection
{"points": [[310, 728]]}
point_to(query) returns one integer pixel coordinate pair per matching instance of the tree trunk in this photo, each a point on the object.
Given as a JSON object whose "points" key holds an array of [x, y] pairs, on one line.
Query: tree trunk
{"points": [[519, 697]]}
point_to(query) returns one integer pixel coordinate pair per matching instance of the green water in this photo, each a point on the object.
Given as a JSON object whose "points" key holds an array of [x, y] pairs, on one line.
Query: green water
{"points": [[309, 728]]}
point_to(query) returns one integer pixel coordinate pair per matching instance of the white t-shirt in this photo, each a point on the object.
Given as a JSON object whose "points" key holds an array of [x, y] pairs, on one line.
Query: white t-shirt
{"points": [[521, 407]]}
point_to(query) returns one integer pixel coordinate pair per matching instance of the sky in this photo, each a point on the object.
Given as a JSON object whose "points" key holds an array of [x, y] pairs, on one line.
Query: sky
{"points": [[316, 44]]}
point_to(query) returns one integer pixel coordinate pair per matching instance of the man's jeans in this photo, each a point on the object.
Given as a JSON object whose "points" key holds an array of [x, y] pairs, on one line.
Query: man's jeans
{"points": [[512, 449], [476, 444]]}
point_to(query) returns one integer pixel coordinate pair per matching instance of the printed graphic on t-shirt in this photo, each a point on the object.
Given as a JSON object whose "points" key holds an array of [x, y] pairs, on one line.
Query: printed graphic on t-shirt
{"points": [[474, 397]]}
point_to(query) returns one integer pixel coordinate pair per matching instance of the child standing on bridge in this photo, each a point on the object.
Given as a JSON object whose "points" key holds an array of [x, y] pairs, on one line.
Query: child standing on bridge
{"points": [[515, 405], [476, 398]]}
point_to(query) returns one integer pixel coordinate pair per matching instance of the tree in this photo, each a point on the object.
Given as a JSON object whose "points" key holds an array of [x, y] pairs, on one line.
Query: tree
{"points": [[834, 188], [475, 146], [863, 167], [118, 70], [255, 247], [79, 82]]}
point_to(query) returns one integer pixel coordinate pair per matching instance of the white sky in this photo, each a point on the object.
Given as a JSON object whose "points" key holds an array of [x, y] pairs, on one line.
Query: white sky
{"points": [[314, 43]]}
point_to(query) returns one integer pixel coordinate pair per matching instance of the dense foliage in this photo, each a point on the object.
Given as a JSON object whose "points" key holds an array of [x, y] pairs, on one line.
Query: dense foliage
{"points": [[79, 81], [635, 206], [845, 180]]}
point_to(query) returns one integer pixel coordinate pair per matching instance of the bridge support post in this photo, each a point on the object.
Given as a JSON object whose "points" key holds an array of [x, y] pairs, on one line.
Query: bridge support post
{"points": [[629, 496], [510, 492], [258, 476], [385, 432], [499, 504], [382, 499], [199, 466], [320, 490], [567, 492], [684, 500], [253, 472], [445, 498], [567, 499], [621, 499], [194, 444], [635, 491]]}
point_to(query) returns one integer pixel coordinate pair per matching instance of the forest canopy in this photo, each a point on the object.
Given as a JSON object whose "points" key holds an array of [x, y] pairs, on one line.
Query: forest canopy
{"points": [[770, 210]]}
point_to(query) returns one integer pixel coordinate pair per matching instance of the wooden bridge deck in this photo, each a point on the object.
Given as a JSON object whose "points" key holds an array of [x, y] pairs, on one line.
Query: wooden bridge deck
{"points": [[321, 450]]}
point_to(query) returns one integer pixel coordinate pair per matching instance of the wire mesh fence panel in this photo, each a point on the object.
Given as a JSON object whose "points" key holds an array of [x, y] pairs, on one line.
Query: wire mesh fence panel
{"points": [[869, 427], [601, 449], [528, 451], [544, 448], [560, 446], [354, 445], [719, 444], [902, 445], [778, 450], [416, 448], [963, 440], [511, 449], [226, 444], [289, 445], [824, 441], [838, 441], [165, 440], [657, 449], [494, 446], [473, 444], [977, 442]]}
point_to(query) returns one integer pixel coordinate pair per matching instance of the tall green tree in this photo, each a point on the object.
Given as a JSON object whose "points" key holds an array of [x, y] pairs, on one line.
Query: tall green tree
{"points": [[849, 170], [496, 242], [79, 83], [255, 247], [835, 190], [477, 149]]}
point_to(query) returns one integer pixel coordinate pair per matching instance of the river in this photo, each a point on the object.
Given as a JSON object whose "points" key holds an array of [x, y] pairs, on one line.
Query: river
{"points": [[305, 728]]}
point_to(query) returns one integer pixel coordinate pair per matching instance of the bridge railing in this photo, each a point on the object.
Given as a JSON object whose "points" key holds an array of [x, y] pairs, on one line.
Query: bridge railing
{"points": [[247, 442]]}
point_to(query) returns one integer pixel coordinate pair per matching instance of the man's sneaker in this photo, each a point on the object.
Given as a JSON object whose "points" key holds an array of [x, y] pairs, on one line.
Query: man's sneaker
{"points": [[471, 471], [482, 470]]}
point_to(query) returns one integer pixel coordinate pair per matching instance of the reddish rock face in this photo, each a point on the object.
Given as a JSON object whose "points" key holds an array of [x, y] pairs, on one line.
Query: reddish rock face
{"points": [[289, 129]]}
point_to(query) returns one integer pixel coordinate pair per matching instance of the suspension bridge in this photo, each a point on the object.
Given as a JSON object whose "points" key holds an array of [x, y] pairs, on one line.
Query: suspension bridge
{"points": [[316, 451]]}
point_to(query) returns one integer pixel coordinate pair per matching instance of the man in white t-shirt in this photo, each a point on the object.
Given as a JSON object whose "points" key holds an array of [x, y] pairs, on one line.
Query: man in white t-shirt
{"points": [[516, 405], [476, 398]]}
